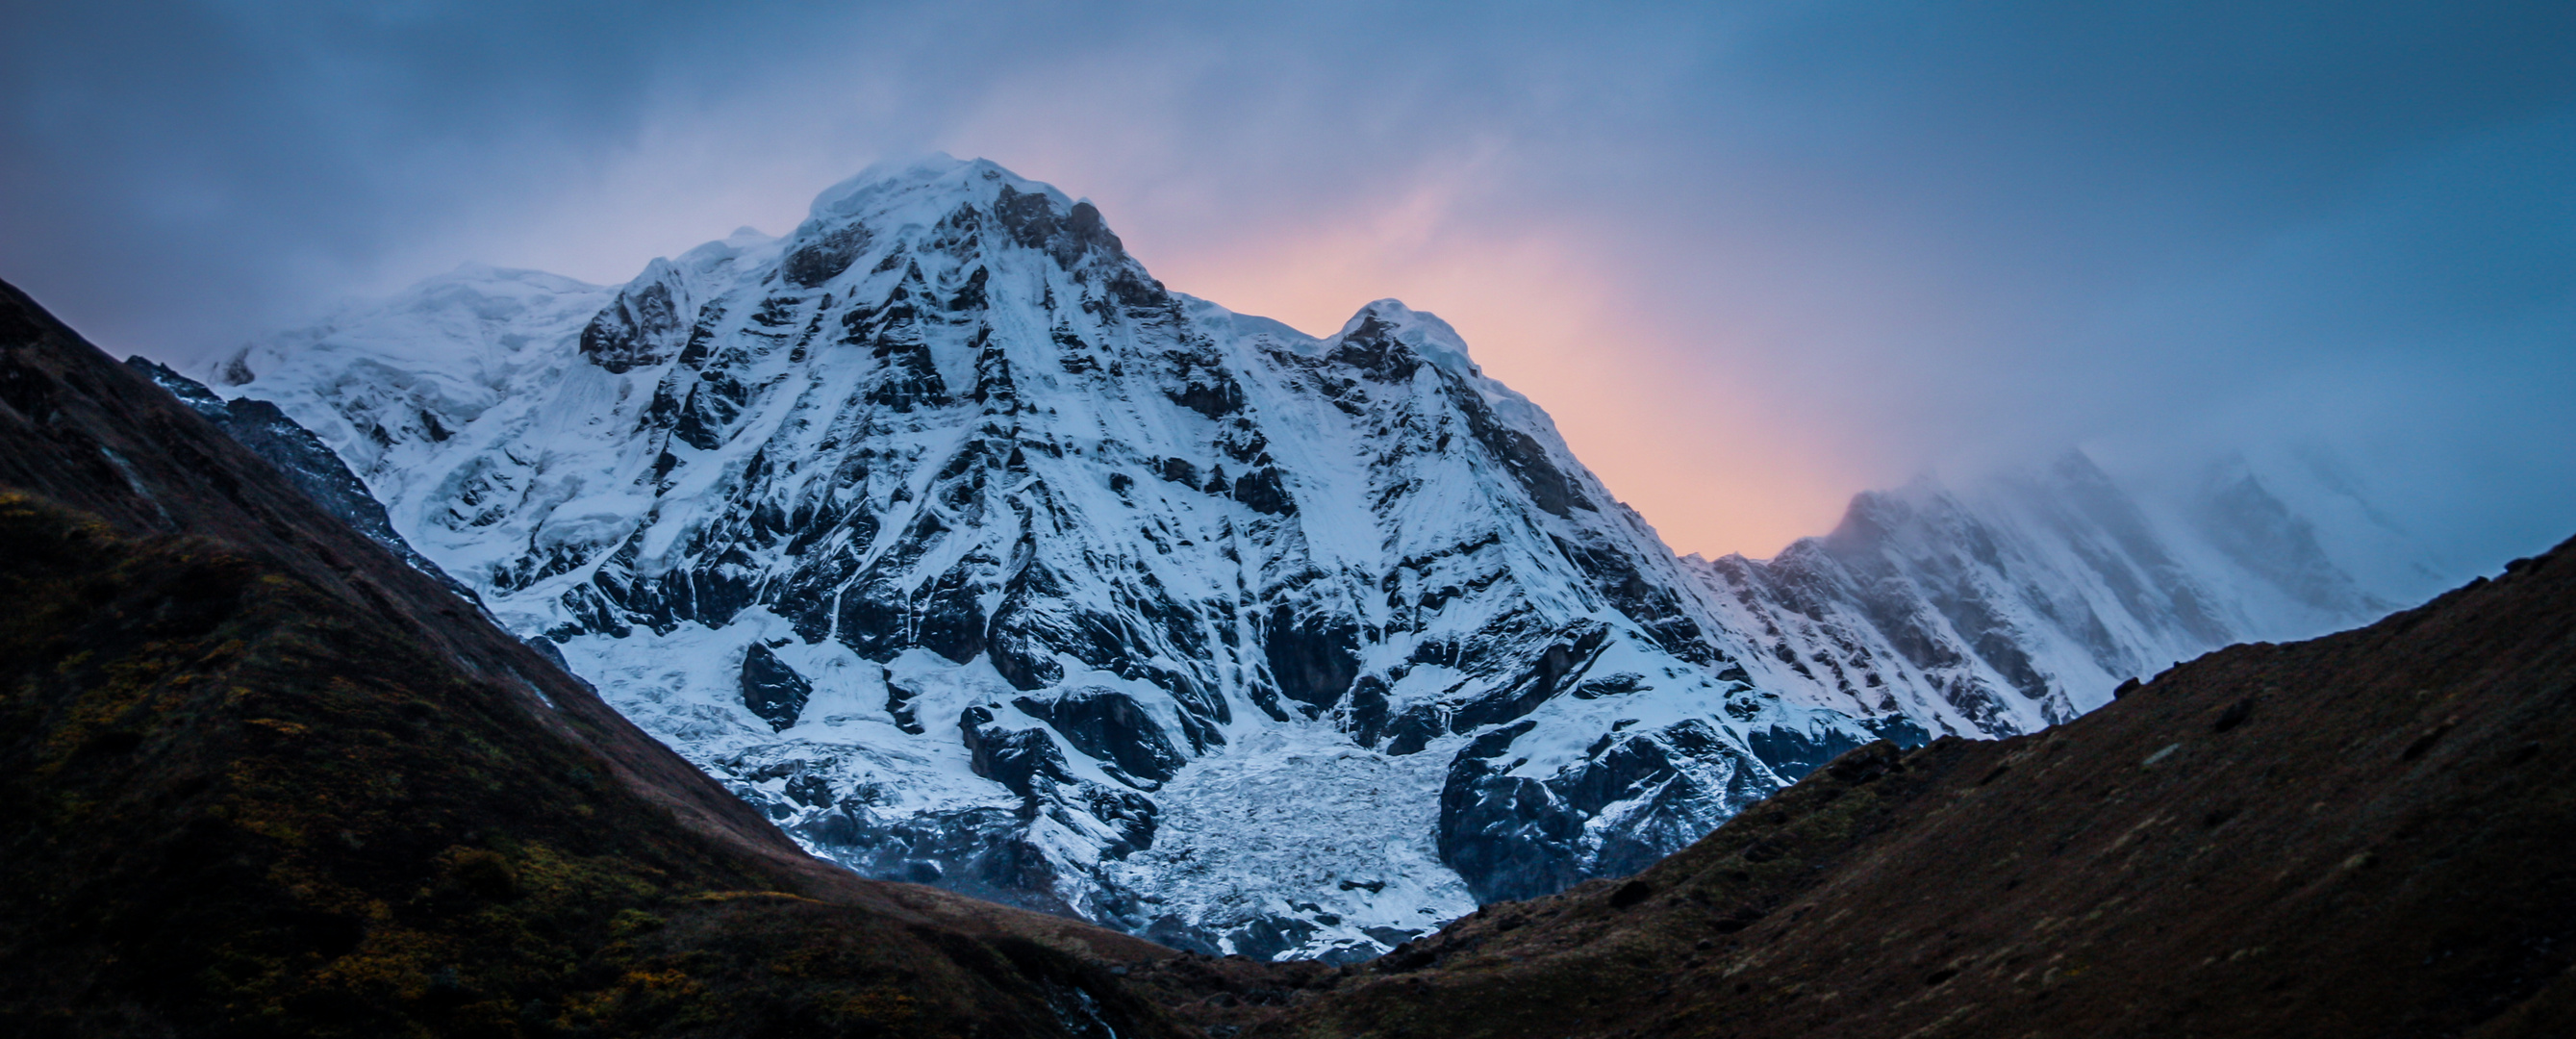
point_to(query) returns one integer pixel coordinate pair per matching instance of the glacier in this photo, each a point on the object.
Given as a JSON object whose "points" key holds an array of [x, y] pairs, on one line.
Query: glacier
{"points": [[977, 557]]}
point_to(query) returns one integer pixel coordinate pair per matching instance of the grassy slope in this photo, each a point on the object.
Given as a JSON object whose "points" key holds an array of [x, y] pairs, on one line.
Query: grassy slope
{"points": [[256, 777], [2372, 833]]}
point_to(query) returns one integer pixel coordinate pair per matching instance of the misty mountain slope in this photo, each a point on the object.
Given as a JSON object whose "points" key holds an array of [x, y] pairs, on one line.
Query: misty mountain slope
{"points": [[975, 556], [2303, 520], [2025, 598]]}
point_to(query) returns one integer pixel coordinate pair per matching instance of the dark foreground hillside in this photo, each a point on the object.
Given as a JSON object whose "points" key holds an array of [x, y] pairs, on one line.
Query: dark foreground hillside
{"points": [[259, 778], [2369, 834]]}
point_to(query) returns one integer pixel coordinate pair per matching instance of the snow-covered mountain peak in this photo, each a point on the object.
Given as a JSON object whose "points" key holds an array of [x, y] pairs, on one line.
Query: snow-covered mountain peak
{"points": [[942, 530], [924, 191], [930, 174], [947, 226], [1421, 330]]}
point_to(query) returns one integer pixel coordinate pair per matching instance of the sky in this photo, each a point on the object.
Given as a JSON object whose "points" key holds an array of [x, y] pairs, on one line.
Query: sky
{"points": [[1753, 257]]}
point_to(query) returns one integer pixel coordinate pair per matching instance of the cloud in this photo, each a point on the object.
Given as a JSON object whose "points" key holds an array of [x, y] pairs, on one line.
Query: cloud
{"points": [[1752, 258]]}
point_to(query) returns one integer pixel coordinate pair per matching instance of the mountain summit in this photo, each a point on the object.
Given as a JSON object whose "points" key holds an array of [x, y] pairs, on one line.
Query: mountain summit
{"points": [[978, 557]]}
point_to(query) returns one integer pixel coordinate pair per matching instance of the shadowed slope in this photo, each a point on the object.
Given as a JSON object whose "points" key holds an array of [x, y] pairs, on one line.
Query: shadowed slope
{"points": [[262, 778], [2365, 834]]}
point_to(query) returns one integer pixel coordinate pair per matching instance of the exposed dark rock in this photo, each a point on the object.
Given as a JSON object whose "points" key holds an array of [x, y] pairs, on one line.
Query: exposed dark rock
{"points": [[1313, 657], [1519, 454], [951, 618], [1792, 753], [875, 619], [810, 790], [1213, 398], [1032, 221], [1507, 836], [641, 328], [1368, 710], [1128, 813], [1570, 655], [708, 410], [1173, 931], [1620, 684], [1414, 729], [911, 378], [1141, 295], [1269, 935], [1517, 836], [979, 852], [823, 253], [899, 705], [970, 296], [1898, 729], [1026, 629], [1523, 837], [771, 689], [1027, 762], [1656, 609], [1375, 352], [1110, 726], [1260, 491], [1016, 758]]}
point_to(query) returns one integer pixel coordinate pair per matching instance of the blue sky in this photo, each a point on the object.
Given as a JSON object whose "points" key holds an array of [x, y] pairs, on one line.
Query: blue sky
{"points": [[1753, 256]]}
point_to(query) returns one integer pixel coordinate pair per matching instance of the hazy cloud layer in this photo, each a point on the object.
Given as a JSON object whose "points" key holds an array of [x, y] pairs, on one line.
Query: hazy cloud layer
{"points": [[1752, 258]]}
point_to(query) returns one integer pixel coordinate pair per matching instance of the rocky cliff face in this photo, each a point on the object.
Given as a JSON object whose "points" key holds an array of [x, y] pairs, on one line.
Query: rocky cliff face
{"points": [[977, 557]]}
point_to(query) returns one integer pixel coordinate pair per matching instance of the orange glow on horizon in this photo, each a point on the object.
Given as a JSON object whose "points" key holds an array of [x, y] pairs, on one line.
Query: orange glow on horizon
{"points": [[1635, 404]]}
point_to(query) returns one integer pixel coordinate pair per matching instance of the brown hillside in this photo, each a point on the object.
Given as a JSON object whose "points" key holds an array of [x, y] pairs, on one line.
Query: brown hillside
{"points": [[259, 778], [2369, 834]]}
